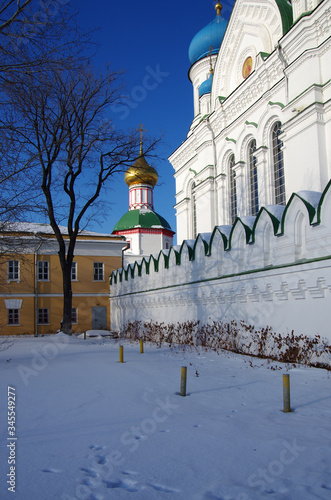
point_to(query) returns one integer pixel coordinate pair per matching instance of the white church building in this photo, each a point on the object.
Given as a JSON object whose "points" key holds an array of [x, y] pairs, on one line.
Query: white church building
{"points": [[262, 113], [253, 190]]}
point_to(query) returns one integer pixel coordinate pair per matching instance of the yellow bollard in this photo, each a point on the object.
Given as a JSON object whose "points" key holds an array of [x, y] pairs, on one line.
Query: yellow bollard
{"points": [[121, 354], [183, 379], [141, 346], [286, 393]]}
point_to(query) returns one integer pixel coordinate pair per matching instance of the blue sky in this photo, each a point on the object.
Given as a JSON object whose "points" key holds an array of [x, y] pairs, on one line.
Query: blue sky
{"points": [[149, 40]]}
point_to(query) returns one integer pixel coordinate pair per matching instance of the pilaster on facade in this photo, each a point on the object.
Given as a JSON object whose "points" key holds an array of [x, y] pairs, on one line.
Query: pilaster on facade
{"points": [[264, 188], [221, 182], [239, 169]]}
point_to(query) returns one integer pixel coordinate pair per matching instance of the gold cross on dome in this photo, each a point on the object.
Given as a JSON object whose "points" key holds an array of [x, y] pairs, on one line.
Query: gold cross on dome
{"points": [[141, 130]]}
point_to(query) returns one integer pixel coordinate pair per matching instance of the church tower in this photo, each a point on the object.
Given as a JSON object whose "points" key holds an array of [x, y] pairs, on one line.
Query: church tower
{"points": [[146, 231], [261, 126]]}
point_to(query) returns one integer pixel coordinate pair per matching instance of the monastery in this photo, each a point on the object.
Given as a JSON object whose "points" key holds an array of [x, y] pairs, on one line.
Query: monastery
{"points": [[253, 197]]}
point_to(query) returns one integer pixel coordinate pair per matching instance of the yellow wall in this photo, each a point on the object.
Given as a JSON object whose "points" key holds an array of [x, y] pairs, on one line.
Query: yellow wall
{"points": [[85, 293]]}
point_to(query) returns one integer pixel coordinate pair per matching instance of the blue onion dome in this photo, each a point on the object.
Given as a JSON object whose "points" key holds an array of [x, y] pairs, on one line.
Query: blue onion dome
{"points": [[208, 40], [205, 87]]}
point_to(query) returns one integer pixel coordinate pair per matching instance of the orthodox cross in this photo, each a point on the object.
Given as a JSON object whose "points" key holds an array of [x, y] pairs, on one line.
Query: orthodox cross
{"points": [[141, 130]]}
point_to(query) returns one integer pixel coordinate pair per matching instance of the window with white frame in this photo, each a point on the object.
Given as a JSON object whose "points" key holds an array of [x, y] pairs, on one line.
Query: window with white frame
{"points": [[13, 316], [43, 270], [98, 271], [278, 165], [233, 189], [43, 317], [13, 270], [74, 271], [253, 181]]}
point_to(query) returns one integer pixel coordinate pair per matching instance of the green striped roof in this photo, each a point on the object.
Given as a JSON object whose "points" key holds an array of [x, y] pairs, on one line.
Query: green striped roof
{"points": [[146, 219]]}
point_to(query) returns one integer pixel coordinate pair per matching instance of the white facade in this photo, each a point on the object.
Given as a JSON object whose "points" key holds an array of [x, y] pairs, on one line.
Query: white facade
{"points": [[252, 185], [289, 84], [272, 271], [144, 242]]}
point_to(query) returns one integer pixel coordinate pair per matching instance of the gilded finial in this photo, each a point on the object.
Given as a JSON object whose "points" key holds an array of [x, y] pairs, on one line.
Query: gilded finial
{"points": [[218, 8], [141, 130]]}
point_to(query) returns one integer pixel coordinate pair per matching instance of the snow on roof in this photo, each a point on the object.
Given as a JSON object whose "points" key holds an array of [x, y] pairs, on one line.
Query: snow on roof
{"points": [[36, 227]]}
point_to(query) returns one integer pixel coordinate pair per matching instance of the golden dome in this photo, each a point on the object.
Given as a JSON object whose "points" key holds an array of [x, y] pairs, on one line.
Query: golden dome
{"points": [[141, 173]]}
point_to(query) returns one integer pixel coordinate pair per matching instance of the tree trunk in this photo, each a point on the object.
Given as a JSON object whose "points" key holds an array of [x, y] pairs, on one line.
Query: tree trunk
{"points": [[66, 322]]}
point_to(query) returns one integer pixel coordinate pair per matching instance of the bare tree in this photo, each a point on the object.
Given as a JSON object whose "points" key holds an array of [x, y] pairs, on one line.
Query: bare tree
{"points": [[61, 128], [39, 33], [35, 36]]}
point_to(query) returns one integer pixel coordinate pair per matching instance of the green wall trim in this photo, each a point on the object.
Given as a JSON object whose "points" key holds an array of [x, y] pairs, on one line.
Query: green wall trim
{"points": [[278, 226], [280, 104], [264, 55], [251, 123], [227, 276]]}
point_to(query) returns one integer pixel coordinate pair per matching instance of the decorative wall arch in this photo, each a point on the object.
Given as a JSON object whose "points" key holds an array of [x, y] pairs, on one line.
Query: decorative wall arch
{"points": [[268, 235], [300, 236], [267, 123], [244, 144], [224, 159]]}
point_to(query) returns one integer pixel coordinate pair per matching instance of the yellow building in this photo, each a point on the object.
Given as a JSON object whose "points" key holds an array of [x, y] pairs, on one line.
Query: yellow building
{"points": [[31, 298]]}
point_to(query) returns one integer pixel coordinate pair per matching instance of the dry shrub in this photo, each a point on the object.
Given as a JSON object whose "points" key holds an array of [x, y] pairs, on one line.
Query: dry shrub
{"points": [[237, 337]]}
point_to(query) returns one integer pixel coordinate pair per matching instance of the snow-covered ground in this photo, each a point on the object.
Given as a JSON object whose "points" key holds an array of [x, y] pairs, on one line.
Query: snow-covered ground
{"points": [[88, 427]]}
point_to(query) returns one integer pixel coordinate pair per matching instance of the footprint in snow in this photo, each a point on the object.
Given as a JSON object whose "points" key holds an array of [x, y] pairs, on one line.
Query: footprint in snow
{"points": [[54, 471], [138, 437], [101, 459], [164, 489], [165, 430], [126, 484], [90, 482], [96, 448], [89, 472]]}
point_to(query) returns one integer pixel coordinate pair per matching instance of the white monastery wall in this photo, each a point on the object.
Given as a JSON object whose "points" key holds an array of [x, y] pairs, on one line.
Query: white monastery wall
{"points": [[270, 270]]}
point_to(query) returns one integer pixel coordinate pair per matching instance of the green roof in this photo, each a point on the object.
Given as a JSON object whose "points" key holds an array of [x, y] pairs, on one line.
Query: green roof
{"points": [[141, 218], [286, 13]]}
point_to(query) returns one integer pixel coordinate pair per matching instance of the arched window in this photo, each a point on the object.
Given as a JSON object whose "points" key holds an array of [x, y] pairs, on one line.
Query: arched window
{"points": [[253, 183], [233, 190], [194, 212], [278, 165]]}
